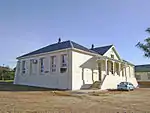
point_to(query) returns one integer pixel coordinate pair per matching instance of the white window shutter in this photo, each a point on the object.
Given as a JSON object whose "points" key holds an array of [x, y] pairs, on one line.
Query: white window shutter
{"points": [[46, 65], [66, 59], [26, 67], [34, 68]]}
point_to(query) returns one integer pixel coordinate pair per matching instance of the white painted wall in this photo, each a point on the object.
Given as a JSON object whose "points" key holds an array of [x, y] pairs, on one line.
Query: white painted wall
{"points": [[82, 65], [111, 80], [82, 69], [111, 52], [48, 78]]}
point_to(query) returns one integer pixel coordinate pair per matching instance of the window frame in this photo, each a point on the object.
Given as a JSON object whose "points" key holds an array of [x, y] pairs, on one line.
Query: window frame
{"points": [[64, 63], [53, 64], [112, 56], [64, 58], [32, 66], [23, 68], [42, 68]]}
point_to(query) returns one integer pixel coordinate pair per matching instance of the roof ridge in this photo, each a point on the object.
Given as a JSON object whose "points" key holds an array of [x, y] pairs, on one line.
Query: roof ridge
{"points": [[51, 44], [102, 50], [58, 46], [79, 45], [87, 49], [103, 46], [71, 44], [143, 65]]}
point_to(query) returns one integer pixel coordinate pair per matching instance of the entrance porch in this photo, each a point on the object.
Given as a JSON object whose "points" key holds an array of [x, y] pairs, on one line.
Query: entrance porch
{"points": [[109, 72]]}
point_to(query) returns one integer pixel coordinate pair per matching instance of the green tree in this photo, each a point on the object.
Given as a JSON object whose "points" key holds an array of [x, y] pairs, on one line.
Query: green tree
{"points": [[6, 73], [145, 47]]}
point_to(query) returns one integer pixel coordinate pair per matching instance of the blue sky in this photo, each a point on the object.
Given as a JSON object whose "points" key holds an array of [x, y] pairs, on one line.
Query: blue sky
{"points": [[26, 25]]}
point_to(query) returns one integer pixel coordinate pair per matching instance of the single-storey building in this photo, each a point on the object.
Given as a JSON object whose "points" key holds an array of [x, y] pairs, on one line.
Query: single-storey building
{"points": [[142, 74], [68, 65]]}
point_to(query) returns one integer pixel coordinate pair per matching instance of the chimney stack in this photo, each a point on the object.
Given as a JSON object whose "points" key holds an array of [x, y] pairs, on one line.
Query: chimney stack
{"points": [[59, 40], [92, 46]]}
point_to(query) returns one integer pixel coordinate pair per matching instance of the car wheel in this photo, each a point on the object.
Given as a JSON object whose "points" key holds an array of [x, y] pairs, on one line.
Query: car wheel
{"points": [[129, 89]]}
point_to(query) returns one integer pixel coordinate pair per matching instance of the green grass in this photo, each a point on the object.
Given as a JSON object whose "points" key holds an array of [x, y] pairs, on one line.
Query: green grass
{"points": [[6, 81]]}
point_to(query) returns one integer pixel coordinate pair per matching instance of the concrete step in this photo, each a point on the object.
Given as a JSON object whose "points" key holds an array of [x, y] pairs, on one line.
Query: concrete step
{"points": [[86, 86], [96, 85]]}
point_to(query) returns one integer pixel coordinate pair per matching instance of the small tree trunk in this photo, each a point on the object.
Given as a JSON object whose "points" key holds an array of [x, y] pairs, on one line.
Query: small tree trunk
{"points": [[3, 77]]}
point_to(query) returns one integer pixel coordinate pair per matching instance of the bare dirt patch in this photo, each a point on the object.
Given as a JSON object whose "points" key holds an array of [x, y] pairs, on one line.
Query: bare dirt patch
{"points": [[48, 101]]}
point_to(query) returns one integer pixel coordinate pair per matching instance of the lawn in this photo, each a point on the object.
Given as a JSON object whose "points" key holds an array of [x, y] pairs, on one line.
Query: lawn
{"points": [[24, 99], [6, 81]]}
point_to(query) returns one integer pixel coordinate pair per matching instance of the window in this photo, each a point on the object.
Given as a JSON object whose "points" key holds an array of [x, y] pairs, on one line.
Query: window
{"points": [[112, 56], [123, 83], [53, 63], [148, 76], [42, 65], [63, 68], [23, 67], [33, 66], [64, 60], [138, 77]]}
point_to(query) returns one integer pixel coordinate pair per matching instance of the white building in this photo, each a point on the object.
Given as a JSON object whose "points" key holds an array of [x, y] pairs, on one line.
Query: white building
{"points": [[68, 65]]}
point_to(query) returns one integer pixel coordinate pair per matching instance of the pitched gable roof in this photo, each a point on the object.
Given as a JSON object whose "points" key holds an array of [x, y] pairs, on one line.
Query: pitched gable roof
{"points": [[58, 46], [102, 50], [142, 68]]}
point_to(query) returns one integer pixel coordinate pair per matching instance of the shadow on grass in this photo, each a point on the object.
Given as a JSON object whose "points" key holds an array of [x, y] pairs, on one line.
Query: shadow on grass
{"points": [[9, 86]]}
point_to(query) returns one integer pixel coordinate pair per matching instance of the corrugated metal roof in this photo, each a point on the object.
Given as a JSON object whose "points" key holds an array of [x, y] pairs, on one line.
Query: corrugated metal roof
{"points": [[78, 46], [66, 45], [102, 50], [142, 68], [58, 46]]}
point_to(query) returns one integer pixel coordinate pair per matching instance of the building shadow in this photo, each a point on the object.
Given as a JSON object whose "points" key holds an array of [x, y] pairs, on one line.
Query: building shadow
{"points": [[9, 86]]}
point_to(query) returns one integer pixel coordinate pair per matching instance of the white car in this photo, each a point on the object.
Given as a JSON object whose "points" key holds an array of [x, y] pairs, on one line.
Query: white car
{"points": [[125, 86]]}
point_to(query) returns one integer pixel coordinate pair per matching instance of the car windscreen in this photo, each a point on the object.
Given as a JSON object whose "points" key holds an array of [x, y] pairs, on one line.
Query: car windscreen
{"points": [[123, 83]]}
